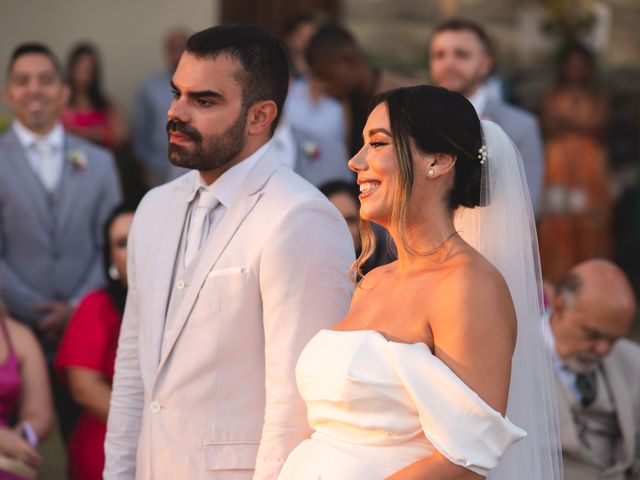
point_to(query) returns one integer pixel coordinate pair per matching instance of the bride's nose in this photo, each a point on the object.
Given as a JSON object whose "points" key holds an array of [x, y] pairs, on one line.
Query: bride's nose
{"points": [[358, 162]]}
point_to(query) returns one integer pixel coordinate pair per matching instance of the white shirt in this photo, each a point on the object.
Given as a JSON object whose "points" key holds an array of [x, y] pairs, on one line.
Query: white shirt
{"points": [[55, 139], [479, 100], [566, 376], [224, 188]]}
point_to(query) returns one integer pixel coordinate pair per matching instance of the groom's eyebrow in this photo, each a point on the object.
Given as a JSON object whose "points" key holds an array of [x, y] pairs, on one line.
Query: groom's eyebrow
{"points": [[199, 94]]}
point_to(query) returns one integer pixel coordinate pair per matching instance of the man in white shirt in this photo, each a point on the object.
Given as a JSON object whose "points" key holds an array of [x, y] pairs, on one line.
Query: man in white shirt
{"points": [[597, 372], [56, 192], [232, 268], [460, 60]]}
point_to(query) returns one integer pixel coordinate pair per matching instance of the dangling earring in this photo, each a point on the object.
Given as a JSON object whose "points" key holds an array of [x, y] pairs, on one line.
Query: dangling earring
{"points": [[113, 272], [431, 172]]}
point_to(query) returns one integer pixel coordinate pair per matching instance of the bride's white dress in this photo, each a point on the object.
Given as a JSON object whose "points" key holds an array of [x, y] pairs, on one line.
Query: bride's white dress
{"points": [[377, 406]]}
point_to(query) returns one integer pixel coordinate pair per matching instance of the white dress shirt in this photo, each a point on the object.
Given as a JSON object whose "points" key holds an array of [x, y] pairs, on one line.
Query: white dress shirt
{"points": [[224, 189], [566, 376], [54, 139]]}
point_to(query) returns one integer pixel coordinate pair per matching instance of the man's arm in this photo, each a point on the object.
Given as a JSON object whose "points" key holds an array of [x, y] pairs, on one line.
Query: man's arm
{"points": [[20, 298], [110, 198], [127, 397], [305, 288]]}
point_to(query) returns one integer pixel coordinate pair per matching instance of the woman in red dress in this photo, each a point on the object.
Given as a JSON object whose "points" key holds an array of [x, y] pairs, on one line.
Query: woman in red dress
{"points": [[87, 353], [90, 113]]}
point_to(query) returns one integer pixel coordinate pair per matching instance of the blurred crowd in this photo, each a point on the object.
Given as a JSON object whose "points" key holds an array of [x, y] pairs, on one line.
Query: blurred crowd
{"points": [[73, 167]]}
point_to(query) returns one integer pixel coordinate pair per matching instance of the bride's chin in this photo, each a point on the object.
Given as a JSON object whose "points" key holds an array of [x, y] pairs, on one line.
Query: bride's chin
{"points": [[374, 217]]}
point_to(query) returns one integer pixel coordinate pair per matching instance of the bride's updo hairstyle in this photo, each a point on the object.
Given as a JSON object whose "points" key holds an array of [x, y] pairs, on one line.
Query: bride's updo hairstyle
{"points": [[436, 121]]}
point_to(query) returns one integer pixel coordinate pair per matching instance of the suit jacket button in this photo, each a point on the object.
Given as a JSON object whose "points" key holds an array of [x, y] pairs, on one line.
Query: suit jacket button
{"points": [[155, 406], [180, 284]]}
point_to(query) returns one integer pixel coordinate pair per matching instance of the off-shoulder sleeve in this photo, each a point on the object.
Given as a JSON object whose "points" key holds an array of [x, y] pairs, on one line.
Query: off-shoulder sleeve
{"points": [[459, 424]]}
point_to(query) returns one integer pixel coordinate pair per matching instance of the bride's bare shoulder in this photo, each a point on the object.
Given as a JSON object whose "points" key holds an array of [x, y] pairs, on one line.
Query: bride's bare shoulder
{"points": [[473, 294]]}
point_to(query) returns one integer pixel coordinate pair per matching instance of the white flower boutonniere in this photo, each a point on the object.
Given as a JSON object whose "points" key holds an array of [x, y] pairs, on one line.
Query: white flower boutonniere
{"points": [[78, 159], [311, 150]]}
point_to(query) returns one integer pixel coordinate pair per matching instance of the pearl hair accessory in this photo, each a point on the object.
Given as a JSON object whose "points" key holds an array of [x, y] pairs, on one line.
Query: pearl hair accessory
{"points": [[483, 154]]}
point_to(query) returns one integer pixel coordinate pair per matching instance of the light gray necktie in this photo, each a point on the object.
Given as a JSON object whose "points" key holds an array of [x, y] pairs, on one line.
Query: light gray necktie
{"points": [[48, 173], [199, 226]]}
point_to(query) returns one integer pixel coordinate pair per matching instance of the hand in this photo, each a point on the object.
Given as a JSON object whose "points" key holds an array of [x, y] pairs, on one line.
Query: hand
{"points": [[14, 446], [57, 315]]}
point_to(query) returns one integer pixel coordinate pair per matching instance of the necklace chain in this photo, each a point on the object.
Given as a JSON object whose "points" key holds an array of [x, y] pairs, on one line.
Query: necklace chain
{"points": [[439, 247]]}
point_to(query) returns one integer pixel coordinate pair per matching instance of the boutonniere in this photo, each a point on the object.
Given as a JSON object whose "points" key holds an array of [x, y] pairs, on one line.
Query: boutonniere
{"points": [[78, 159], [311, 150]]}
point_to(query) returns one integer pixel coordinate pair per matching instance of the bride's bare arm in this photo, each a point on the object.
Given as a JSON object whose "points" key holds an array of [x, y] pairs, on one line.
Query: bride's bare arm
{"points": [[435, 467], [474, 335]]}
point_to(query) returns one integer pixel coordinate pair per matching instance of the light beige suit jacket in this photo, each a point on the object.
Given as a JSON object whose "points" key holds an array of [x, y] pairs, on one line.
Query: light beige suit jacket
{"points": [[219, 400], [622, 370]]}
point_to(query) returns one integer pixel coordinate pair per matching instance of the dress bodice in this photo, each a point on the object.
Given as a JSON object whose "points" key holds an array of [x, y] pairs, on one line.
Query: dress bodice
{"points": [[364, 391]]}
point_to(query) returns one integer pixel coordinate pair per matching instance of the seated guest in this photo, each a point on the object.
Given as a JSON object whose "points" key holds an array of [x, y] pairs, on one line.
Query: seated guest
{"points": [[26, 408], [597, 373], [87, 353], [90, 114]]}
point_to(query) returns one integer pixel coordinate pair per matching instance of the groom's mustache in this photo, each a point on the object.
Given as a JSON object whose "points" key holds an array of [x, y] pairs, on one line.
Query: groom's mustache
{"points": [[186, 130]]}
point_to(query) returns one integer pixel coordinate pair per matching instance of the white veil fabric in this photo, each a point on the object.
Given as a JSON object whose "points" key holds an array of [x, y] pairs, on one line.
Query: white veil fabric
{"points": [[503, 230]]}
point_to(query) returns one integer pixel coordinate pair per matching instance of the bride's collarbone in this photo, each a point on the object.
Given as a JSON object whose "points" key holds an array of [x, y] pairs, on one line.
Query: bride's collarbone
{"points": [[400, 317]]}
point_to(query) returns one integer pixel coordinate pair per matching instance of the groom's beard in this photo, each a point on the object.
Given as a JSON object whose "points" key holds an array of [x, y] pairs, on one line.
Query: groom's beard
{"points": [[207, 153]]}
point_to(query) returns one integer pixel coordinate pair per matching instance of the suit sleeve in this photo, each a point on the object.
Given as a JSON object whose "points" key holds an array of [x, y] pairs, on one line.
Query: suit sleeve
{"points": [[127, 396], [305, 288], [530, 146], [20, 297], [142, 141], [110, 198]]}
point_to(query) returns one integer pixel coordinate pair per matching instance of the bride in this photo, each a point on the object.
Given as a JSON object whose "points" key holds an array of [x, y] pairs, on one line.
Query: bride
{"points": [[415, 381]]}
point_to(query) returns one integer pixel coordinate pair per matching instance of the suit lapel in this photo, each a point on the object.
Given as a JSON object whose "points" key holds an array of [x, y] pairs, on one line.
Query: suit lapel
{"points": [[243, 203], [623, 406], [568, 433], [167, 244], [68, 192], [33, 187]]}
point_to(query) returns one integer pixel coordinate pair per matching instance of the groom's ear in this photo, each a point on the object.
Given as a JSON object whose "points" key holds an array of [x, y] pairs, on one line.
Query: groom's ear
{"points": [[260, 116]]}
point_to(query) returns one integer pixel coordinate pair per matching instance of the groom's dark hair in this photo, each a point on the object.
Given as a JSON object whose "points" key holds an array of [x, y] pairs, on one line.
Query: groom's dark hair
{"points": [[265, 70]]}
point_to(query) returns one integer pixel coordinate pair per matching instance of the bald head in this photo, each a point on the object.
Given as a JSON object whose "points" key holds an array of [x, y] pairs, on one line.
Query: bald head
{"points": [[594, 306]]}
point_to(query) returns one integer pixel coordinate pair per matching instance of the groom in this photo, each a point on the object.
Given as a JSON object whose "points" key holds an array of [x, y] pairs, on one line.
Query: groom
{"points": [[233, 267]]}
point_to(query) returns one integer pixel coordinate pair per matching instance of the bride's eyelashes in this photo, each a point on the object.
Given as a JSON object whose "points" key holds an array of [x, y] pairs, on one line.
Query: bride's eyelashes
{"points": [[378, 143]]}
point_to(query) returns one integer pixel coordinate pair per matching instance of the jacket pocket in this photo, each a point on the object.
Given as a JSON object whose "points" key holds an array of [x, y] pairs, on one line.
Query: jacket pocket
{"points": [[229, 455]]}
